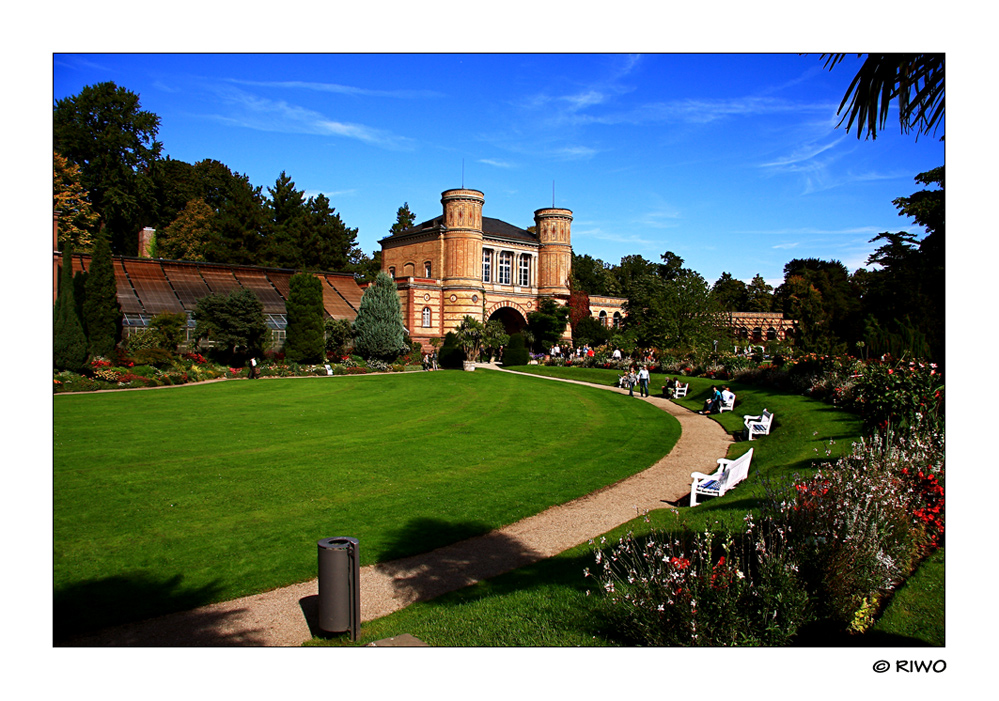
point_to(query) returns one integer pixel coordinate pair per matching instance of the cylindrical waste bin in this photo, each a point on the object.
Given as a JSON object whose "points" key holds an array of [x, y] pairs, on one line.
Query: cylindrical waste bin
{"points": [[339, 586]]}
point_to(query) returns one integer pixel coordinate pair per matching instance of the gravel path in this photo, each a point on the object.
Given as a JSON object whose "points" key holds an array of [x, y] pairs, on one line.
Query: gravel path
{"points": [[287, 616]]}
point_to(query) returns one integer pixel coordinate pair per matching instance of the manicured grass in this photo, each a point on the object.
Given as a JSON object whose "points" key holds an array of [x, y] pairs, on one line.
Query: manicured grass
{"points": [[168, 499], [547, 604]]}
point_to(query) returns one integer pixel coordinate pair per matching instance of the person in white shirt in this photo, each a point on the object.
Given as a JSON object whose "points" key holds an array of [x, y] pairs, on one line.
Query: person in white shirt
{"points": [[643, 381]]}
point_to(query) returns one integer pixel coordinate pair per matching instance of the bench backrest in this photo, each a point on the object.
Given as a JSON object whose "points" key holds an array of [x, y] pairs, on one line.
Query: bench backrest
{"points": [[737, 470], [766, 417]]}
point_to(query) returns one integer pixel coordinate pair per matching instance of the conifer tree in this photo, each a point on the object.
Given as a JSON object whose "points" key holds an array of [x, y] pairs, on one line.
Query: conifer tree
{"points": [[305, 342], [101, 311], [378, 329], [69, 341]]}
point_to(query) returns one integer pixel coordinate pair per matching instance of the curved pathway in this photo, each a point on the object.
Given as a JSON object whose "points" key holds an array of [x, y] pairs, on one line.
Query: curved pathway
{"points": [[287, 616]]}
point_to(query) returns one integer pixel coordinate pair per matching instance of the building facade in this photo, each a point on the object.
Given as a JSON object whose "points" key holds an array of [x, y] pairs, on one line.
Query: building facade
{"points": [[462, 263]]}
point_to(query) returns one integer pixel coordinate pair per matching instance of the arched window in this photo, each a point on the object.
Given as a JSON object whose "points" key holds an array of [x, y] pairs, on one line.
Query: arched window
{"points": [[426, 317], [603, 317], [524, 271], [757, 334], [427, 269], [487, 265], [409, 270], [392, 271], [771, 334], [617, 320], [505, 265]]}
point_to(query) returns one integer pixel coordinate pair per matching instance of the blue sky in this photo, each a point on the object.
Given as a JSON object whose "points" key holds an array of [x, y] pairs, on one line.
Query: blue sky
{"points": [[732, 161]]}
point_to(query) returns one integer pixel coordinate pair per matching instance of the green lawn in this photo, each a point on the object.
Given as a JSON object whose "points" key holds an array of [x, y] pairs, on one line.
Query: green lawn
{"points": [[547, 604], [168, 499]]}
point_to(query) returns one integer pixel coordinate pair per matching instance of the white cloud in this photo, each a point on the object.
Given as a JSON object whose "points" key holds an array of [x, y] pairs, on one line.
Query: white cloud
{"points": [[263, 114]]}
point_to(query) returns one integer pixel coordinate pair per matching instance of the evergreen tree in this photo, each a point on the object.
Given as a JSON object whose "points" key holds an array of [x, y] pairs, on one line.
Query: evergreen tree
{"points": [[378, 329], [69, 341], [101, 311], [304, 342], [760, 295], [287, 245], [404, 219], [330, 244], [730, 294]]}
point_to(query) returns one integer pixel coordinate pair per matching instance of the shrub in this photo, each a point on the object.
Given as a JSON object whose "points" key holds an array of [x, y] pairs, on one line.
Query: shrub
{"points": [[69, 340], [900, 395], [156, 357], [516, 352], [451, 355]]}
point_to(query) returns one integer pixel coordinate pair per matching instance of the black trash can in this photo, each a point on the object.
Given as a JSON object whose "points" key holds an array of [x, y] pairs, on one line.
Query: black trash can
{"points": [[339, 586]]}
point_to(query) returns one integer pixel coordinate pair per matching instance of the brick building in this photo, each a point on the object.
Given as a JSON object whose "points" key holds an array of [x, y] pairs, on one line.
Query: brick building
{"points": [[462, 263]]}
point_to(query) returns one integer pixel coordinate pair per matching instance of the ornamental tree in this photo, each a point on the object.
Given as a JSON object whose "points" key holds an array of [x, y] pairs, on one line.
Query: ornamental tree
{"points": [[378, 328], [69, 341], [304, 342], [233, 322], [101, 311]]}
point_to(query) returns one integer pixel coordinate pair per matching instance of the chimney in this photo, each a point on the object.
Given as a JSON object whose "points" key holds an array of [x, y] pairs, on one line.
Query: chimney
{"points": [[146, 237]]}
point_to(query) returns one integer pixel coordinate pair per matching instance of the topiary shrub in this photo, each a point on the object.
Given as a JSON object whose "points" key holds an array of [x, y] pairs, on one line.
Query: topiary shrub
{"points": [[451, 356], [516, 352]]}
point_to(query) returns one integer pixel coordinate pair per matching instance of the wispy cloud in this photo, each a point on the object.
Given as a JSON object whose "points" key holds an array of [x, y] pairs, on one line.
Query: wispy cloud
{"points": [[339, 89], [497, 163], [803, 153], [263, 114]]}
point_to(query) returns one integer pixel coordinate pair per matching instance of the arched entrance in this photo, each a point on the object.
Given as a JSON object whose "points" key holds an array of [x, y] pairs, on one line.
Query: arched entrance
{"points": [[512, 320]]}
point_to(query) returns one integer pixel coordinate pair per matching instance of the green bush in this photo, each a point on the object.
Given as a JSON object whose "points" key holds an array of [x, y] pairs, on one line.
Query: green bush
{"points": [[516, 352], [451, 356], [156, 357]]}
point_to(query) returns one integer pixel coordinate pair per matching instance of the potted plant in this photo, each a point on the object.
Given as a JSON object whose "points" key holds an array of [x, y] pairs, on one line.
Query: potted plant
{"points": [[470, 334]]}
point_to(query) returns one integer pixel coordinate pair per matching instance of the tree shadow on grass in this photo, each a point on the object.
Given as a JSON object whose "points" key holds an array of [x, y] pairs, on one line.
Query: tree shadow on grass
{"points": [[108, 612], [486, 554]]}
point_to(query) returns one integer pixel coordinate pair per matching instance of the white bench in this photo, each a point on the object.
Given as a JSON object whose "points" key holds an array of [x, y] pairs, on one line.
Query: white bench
{"points": [[758, 425], [329, 370], [681, 389], [727, 406], [728, 474]]}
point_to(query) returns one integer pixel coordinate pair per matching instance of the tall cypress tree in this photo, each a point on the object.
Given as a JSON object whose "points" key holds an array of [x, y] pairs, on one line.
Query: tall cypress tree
{"points": [[378, 329], [101, 311], [69, 341], [305, 342]]}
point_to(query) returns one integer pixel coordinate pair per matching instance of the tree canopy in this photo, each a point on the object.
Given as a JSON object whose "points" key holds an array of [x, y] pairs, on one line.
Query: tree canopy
{"points": [[105, 132]]}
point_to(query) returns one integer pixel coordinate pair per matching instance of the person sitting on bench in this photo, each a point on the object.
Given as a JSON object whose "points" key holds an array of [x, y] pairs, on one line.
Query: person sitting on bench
{"points": [[712, 404]]}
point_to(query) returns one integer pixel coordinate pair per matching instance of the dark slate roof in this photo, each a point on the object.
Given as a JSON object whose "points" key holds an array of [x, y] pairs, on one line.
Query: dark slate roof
{"points": [[490, 227]]}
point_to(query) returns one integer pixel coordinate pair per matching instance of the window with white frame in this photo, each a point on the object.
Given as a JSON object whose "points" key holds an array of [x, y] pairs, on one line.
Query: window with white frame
{"points": [[427, 269], [426, 317], [524, 271], [487, 265], [505, 265]]}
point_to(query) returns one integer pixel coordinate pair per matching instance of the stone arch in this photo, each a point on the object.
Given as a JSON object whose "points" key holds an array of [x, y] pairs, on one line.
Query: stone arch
{"points": [[512, 315]]}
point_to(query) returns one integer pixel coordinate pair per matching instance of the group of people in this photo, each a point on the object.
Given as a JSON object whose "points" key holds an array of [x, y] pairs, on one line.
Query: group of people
{"points": [[558, 351], [430, 361], [633, 379], [712, 405]]}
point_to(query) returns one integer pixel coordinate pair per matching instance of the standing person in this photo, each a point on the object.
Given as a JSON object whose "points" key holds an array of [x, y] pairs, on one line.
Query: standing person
{"points": [[253, 368], [643, 381], [617, 354], [632, 381]]}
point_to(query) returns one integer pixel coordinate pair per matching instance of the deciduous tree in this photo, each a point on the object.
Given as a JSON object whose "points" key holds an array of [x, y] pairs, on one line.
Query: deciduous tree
{"points": [[105, 131], [77, 221]]}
